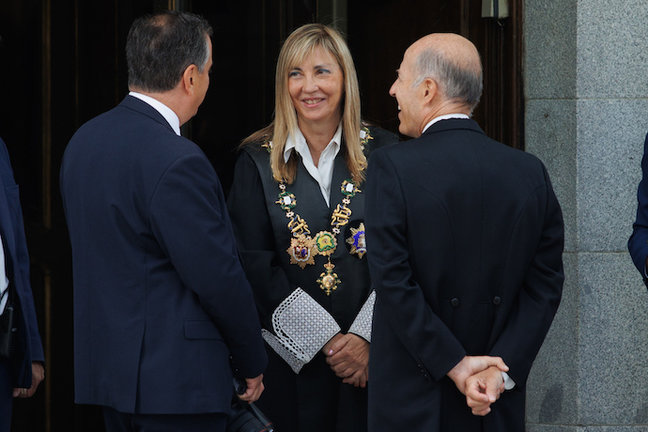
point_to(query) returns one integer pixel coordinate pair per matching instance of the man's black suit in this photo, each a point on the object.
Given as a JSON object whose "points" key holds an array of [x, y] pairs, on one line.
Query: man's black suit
{"points": [[465, 237], [161, 302]]}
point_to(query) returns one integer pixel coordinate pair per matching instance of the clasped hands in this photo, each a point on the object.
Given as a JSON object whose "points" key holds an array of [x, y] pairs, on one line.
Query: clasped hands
{"points": [[348, 356], [479, 378]]}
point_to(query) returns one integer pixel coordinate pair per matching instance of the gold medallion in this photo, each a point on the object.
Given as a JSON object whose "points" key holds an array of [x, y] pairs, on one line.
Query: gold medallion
{"points": [[357, 241], [328, 281], [302, 251], [325, 242]]}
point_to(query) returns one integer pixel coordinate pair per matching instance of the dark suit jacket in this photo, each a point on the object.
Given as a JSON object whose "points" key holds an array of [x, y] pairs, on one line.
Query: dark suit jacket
{"points": [[638, 242], [28, 348], [465, 241], [161, 300]]}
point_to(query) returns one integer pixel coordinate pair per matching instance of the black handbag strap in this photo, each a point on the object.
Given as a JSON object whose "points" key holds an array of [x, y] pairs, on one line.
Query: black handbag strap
{"points": [[248, 418], [262, 418]]}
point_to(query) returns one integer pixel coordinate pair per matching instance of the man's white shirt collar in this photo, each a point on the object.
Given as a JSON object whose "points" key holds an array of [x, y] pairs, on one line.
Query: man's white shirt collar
{"points": [[166, 112], [323, 172], [444, 117]]}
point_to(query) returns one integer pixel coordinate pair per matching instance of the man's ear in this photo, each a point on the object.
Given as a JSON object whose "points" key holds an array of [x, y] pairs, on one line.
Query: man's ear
{"points": [[430, 89], [189, 77]]}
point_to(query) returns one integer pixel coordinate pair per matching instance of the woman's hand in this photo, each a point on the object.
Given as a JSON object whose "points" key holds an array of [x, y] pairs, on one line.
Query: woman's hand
{"points": [[327, 349], [358, 379], [348, 357]]}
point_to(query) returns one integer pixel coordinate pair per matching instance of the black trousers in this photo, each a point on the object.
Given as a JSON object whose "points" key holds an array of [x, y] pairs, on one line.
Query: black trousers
{"points": [[116, 421], [6, 397]]}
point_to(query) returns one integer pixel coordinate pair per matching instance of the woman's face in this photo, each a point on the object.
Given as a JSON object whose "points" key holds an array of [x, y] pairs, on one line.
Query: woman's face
{"points": [[316, 86]]}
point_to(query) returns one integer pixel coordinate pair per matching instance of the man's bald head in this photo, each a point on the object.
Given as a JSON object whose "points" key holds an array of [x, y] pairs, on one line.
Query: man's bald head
{"points": [[453, 62]]}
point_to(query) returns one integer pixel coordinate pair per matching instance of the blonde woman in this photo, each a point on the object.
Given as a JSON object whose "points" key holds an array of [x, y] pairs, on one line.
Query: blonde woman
{"points": [[298, 208]]}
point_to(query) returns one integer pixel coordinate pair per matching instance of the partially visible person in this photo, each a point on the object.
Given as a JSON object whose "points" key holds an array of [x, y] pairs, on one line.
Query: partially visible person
{"points": [[21, 368], [465, 241], [298, 208], [161, 302], [638, 242]]}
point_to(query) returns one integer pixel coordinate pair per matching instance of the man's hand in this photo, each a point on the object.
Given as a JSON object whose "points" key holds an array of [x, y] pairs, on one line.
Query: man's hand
{"points": [[349, 357], [484, 388], [38, 374], [470, 365], [254, 389]]}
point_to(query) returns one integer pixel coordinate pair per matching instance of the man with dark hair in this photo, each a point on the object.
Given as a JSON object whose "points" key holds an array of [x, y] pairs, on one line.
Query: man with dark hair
{"points": [[161, 300], [21, 351], [465, 241]]}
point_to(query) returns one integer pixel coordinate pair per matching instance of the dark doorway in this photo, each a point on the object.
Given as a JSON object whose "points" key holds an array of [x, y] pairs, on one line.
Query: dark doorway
{"points": [[62, 62], [247, 39], [379, 32]]}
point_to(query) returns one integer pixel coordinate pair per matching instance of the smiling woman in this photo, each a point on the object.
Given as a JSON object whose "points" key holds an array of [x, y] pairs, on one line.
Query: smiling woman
{"points": [[298, 209]]}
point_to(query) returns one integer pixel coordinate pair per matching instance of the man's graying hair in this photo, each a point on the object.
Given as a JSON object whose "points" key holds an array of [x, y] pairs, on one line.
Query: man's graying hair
{"points": [[456, 82], [160, 47]]}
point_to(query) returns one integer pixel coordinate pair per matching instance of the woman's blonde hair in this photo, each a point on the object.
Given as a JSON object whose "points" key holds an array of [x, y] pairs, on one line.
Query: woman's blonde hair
{"points": [[300, 44]]}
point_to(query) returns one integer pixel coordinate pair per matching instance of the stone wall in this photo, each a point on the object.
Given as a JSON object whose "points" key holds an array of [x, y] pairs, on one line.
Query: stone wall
{"points": [[586, 87]]}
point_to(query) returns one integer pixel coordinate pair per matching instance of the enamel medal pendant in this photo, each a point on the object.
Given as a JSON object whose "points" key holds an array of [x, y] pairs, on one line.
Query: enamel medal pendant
{"points": [[325, 242], [302, 251], [357, 241], [328, 281]]}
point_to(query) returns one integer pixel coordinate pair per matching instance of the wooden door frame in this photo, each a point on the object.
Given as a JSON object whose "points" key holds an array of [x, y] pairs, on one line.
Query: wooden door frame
{"points": [[501, 111]]}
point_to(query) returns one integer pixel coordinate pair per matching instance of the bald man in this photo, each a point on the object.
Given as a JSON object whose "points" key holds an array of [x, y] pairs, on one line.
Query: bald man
{"points": [[465, 241]]}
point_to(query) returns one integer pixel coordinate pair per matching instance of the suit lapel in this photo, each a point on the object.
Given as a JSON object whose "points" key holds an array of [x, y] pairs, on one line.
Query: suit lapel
{"points": [[340, 173]]}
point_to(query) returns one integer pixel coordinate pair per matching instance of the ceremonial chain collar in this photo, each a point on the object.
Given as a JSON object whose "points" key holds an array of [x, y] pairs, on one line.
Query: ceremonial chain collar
{"points": [[303, 248]]}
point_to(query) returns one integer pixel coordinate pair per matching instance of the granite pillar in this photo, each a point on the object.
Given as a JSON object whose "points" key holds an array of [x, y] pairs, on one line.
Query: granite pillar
{"points": [[586, 89]]}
